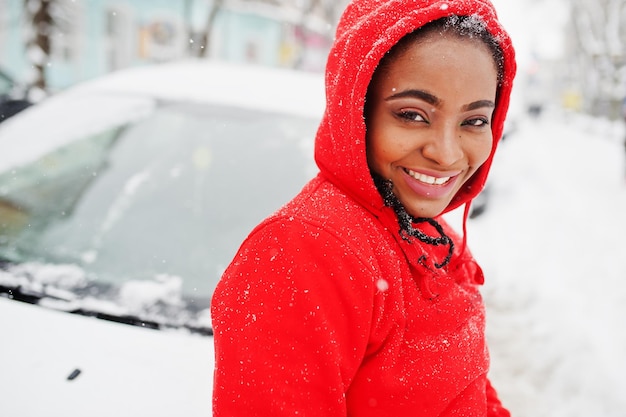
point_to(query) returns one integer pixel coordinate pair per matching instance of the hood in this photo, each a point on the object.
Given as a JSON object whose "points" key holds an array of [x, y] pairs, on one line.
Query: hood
{"points": [[366, 31]]}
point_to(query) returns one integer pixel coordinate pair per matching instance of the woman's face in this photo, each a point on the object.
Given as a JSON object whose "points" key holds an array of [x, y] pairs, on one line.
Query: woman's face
{"points": [[429, 120]]}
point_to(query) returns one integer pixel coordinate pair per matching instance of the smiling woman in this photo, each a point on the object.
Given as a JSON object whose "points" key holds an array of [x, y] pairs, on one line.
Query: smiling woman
{"points": [[356, 298], [428, 113]]}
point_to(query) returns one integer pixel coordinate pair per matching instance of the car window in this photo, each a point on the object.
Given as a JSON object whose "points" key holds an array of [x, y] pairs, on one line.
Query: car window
{"points": [[166, 197], [6, 85], [63, 119]]}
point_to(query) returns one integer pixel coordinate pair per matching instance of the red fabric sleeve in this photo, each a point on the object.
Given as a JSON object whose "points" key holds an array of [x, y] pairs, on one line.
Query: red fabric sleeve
{"points": [[494, 406], [291, 322]]}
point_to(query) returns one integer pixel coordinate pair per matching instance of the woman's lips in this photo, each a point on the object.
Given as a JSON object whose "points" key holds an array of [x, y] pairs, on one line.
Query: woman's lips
{"points": [[429, 185], [427, 178]]}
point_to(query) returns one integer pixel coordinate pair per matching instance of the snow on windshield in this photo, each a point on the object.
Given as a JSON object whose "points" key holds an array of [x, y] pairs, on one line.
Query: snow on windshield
{"points": [[59, 285], [62, 119]]}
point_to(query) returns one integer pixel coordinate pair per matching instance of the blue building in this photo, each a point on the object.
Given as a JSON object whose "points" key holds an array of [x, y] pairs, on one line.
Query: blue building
{"points": [[93, 37]]}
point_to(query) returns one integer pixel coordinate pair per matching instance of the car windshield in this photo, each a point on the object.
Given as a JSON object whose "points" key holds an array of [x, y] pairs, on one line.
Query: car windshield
{"points": [[150, 212], [6, 84]]}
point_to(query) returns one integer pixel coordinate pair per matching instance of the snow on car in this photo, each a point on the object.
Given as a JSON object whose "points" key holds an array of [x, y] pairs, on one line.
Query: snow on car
{"points": [[121, 202]]}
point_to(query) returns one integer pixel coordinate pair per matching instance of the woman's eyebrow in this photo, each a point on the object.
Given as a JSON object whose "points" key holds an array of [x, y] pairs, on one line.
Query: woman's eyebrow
{"points": [[435, 101], [418, 94], [479, 105]]}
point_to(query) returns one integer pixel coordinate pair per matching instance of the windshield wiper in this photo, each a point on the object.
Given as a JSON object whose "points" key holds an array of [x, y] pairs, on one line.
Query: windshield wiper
{"points": [[19, 293], [137, 321]]}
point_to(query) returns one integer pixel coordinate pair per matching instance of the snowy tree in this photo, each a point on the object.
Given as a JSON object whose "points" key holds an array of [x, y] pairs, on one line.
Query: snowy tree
{"points": [[322, 14], [317, 13], [38, 42], [44, 19], [597, 53], [202, 42]]}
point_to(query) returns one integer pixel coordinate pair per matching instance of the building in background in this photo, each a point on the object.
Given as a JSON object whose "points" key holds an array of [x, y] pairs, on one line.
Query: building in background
{"points": [[89, 38]]}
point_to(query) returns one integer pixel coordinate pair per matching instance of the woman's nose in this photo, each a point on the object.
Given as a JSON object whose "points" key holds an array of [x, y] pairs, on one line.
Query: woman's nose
{"points": [[444, 146]]}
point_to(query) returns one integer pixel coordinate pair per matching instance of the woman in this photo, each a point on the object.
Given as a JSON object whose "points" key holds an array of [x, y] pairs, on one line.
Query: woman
{"points": [[356, 298]]}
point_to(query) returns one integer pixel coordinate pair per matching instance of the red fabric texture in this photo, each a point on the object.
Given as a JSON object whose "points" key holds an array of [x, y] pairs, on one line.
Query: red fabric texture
{"points": [[326, 310]]}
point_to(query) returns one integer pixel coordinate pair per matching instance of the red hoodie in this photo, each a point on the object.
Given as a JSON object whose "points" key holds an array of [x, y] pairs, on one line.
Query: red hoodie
{"points": [[326, 310]]}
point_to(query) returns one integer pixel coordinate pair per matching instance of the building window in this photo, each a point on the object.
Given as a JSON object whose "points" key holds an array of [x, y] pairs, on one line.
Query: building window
{"points": [[66, 35], [118, 38]]}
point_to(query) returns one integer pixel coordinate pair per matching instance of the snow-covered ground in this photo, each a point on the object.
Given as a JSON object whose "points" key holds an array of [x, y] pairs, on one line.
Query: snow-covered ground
{"points": [[552, 245]]}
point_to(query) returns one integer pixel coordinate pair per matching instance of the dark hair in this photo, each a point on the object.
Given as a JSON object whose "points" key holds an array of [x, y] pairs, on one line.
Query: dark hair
{"points": [[467, 27], [407, 221]]}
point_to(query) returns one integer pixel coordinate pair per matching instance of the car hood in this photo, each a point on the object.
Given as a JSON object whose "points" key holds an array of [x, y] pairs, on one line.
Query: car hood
{"points": [[124, 370]]}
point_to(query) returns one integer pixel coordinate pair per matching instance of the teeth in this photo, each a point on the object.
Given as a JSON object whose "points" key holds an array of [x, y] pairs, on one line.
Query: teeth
{"points": [[428, 179]]}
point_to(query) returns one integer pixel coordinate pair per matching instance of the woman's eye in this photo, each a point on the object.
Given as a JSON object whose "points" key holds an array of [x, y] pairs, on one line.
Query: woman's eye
{"points": [[478, 122], [411, 116]]}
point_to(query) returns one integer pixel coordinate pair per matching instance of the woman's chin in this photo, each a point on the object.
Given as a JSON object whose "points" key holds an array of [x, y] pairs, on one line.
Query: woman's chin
{"points": [[428, 209]]}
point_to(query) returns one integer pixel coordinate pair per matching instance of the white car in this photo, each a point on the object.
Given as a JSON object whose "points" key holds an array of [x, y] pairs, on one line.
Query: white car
{"points": [[122, 200], [13, 96]]}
